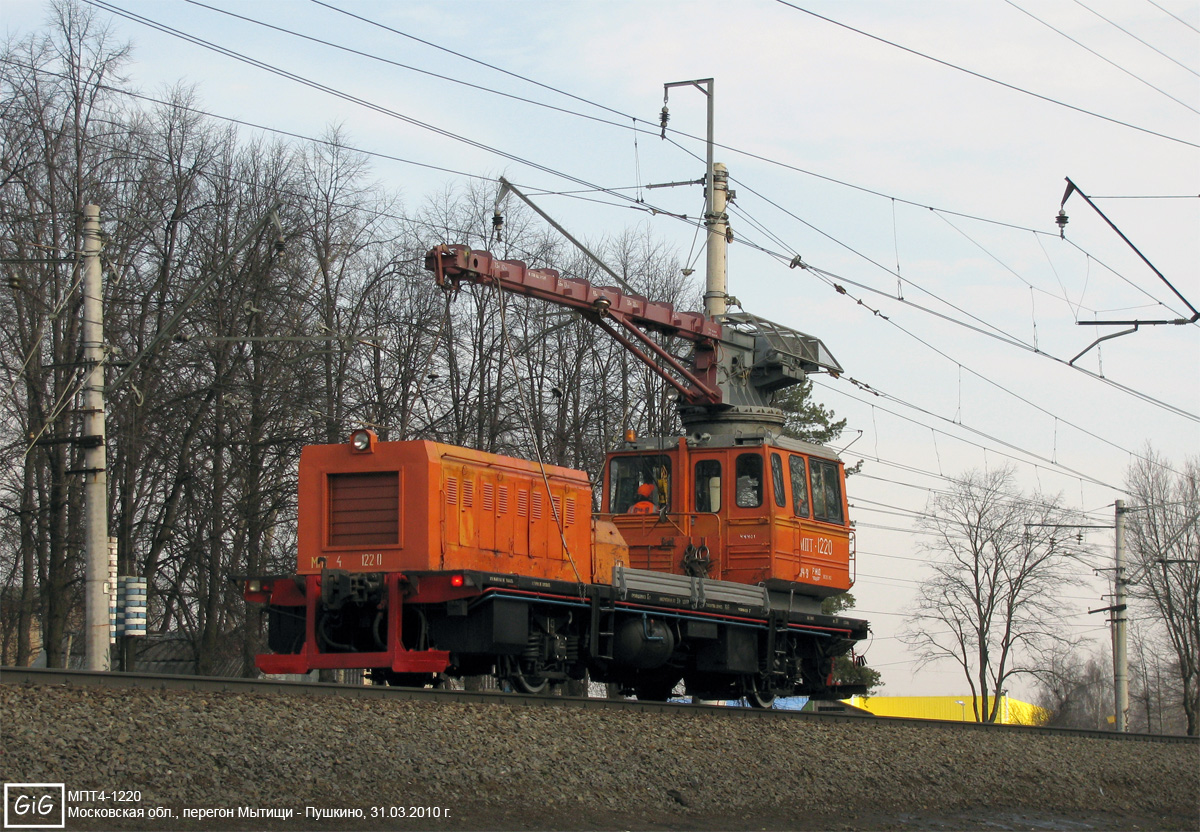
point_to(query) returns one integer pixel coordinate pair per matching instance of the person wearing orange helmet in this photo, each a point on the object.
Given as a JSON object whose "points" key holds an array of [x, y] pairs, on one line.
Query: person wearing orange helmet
{"points": [[644, 505]]}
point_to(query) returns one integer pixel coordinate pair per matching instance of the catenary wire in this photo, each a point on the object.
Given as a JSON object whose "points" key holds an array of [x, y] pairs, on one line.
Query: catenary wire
{"points": [[1111, 63], [989, 79], [832, 279], [635, 121], [601, 189], [461, 173], [1172, 14], [1144, 43], [1049, 463], [411, 68], [102, 4], [526, 161]]}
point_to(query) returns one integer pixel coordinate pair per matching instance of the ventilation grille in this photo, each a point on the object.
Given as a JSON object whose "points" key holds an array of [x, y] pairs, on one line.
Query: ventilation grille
{"points": [[522, 503], [452, 490], [489, 497], [570, 513], [537, 505], [504, 499], [364, 509], [468, 493]]}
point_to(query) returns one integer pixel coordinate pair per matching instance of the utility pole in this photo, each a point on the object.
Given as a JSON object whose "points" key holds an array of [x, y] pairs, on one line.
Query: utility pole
{"points": [[716, 282], [1119, 624], [1118, 608], [716, 193], [95, 477]]}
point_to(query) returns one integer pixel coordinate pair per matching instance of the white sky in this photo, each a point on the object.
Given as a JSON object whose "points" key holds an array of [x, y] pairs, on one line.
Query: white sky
{"points": [[809, 94]]}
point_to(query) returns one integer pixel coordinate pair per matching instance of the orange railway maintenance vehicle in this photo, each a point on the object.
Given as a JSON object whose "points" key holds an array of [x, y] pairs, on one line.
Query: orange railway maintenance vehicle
{"points": [[418, 560]]}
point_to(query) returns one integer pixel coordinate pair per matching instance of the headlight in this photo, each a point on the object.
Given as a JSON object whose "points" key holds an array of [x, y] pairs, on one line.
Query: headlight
{"points": [[362, 441]]}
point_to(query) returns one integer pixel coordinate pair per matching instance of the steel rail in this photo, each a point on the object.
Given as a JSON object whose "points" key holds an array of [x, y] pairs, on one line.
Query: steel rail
{"points": [[215, 684]]}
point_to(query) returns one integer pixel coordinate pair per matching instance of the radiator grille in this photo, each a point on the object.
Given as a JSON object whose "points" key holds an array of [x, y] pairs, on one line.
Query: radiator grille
{"points": [[364, 509]]}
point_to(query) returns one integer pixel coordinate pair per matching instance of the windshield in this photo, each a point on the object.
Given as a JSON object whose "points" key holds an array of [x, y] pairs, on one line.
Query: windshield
{"points": [[627, 473], [826, 492]]}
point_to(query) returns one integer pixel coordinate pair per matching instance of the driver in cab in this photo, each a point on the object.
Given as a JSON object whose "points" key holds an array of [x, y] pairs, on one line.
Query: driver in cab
{"points": [[644, 505]]}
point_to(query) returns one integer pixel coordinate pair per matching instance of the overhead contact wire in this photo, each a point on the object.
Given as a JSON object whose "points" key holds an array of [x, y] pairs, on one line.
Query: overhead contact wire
{"points": [[987, 78]]}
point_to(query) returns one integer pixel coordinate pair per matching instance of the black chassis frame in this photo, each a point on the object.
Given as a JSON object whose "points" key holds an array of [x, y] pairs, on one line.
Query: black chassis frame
{"points": [[562, 629]]}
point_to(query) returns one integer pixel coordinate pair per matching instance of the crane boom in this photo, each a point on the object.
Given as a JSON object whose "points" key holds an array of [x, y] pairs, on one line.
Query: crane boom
{"points": [[738, 361], [628, 318]]}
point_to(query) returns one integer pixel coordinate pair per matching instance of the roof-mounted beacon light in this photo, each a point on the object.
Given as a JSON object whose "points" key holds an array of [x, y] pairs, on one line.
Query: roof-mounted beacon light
{"points": [[363, 441]]}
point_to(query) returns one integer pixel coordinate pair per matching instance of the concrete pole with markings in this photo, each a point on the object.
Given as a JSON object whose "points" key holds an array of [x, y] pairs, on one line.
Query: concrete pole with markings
{"points": [[1120, 620], [95, 477], [716, 282]]}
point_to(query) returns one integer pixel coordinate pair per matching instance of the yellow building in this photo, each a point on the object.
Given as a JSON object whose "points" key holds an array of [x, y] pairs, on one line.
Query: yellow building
{"points": [[955, 708]]}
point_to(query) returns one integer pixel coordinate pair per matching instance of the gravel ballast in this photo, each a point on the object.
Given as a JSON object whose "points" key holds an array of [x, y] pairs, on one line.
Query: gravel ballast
{"points": [[241, 761]]}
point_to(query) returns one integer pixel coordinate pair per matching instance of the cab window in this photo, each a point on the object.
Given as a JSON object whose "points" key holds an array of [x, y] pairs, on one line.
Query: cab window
{"points": [[826, 492], [749, 474], [777, 481], [627, 473], [708, 485], [799, 485]]}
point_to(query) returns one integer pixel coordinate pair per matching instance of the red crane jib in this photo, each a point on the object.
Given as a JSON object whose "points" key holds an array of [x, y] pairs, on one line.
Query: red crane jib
{"points": [[456, 263]]}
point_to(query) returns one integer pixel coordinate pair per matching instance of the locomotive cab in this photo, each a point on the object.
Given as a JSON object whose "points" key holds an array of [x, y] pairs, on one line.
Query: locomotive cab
{"points": [[751, 511]]}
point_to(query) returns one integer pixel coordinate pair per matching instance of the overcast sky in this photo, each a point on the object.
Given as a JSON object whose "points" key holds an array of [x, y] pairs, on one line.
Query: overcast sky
{"points": [[891, 168]]}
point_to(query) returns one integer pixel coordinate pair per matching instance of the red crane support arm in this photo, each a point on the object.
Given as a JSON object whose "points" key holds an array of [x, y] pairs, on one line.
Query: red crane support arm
{"points": [[452, 264]]}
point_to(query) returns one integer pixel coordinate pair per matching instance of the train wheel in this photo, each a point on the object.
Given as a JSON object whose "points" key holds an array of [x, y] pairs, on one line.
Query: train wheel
{"points": [[522, 681], [404, 680], [757, 693], [656, 690]]}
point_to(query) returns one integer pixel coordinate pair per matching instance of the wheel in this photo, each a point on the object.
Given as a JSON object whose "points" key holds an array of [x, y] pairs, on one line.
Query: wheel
{"points": [[522, 681], [383, 676], [757, 693], [656, 690]]}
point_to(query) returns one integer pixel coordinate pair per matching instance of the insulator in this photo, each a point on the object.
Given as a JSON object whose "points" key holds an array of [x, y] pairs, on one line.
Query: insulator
{"points": [[663, 119], [1061, 219]]}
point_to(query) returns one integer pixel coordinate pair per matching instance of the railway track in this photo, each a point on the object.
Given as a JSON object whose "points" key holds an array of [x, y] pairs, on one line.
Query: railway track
{"points": [[208, 684]]}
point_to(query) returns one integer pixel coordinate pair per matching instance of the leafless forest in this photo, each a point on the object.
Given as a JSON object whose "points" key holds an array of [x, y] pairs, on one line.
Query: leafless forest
{"points": [[339, 328]]}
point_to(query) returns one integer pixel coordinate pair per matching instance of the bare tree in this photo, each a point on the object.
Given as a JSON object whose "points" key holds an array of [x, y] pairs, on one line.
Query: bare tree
{"points": [[1156, 690], [991, 604], [1163, 533], [56, 114], [1076, 688], [344, 328]]}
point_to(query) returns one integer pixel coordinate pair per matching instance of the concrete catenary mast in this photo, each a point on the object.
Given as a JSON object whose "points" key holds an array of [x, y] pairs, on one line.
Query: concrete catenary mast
{"points": [[95, 477]]}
